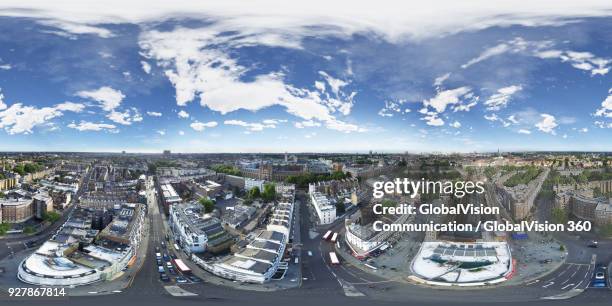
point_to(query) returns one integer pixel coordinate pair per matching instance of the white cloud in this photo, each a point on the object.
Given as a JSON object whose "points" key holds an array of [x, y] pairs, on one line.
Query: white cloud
{"points": [[154, 114], [251, 126], [392, 107], [71, 106], [603, 125], [5, 67], [201, 126], [307, 123], [606, 107], [544, 50], [108, 97], [524, 131], [500, 99], [183, 114], [216, 79], [21, 119], [433, 120], [161, 132], [583, 130], [512, 119], [447, 97], [456, 124], [181, 133], [2, 104], [91, 126], [126, 117], [492, 117], [66, 28], [146, 67], [548, 124], [439, 80], [267, 22]]}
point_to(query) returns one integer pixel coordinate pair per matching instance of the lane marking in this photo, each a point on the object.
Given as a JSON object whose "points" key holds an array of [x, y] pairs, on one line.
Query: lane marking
{"points": [[548, 285]]}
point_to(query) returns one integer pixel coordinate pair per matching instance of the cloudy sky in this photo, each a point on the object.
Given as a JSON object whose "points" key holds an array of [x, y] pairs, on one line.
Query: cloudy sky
{"points": [[273, 77]]}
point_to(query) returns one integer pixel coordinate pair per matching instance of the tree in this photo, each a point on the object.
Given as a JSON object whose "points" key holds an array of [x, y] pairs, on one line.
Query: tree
{"points": [[269, 192], [254, 193], [29, 230], [340, 208], [51, 216], [4, 228], [388, 203], [559, 215], [209, 205]]}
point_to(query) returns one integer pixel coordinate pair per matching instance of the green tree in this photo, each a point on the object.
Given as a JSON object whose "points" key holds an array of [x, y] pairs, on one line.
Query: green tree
{"points": [[388, 203], [269, 192], [51, 216], [559, 215], [209, 205], [29, 230], [254, 193], [4, 228]]}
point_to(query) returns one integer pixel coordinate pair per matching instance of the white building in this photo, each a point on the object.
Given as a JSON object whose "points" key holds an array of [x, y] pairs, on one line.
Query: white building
{"points": [[250, 183], [326, 211], [257, 263], [186, 224]]}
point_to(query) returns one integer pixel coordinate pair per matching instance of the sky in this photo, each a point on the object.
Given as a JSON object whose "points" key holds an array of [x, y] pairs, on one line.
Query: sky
{"points": [[239, 76]]}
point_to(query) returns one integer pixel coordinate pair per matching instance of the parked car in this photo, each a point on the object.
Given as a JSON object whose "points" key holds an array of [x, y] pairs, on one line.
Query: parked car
{"points": [[181, 280], [195, 279], [164, 277]]}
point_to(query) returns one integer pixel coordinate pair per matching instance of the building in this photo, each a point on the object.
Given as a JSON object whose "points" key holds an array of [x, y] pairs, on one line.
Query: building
{"points": [[262, 256], [326, 211], [256, 263], [250, 183], [77, 255], [9, 182], [16, 210], [43, 203], [169, 196], [193, 231]]}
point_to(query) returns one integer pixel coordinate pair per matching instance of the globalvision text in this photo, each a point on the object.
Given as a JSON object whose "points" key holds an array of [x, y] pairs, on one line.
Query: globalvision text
{"points": [[489, 226]]}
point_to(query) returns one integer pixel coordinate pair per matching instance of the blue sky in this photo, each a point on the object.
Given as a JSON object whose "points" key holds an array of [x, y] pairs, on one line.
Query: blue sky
{"points": [[218, 80]]}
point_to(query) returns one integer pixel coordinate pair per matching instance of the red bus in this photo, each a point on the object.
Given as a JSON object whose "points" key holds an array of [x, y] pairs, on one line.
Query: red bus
{"points": [[334, 258], [326, 236], [181, 266], [334, 238]]}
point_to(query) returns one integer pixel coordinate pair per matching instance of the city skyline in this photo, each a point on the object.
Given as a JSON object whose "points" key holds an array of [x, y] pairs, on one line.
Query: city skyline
{"points": [[202, 80]]}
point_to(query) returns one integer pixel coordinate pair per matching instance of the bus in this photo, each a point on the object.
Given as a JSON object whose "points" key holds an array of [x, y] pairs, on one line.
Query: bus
{"points": [[334, 238], [326, 236], [181, 266], [334, 258]]}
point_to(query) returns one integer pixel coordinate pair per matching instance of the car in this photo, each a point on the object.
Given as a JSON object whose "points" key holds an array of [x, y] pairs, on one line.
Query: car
{"points": [[166, 257], [546, 261], [173, 256], [600, 275], [168, 264], [309, 253], [180, 280], [593, 244], [164, 277], [171, 271], [195, 279], [157, 249]]}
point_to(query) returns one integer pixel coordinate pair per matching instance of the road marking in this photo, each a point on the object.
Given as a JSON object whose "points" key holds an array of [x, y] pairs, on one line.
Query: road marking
{"points": [[548, 285], [566, 286], [531, 283]]}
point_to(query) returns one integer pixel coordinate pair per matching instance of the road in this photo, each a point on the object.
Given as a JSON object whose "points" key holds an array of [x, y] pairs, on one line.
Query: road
{"points": [[327, 285]]}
